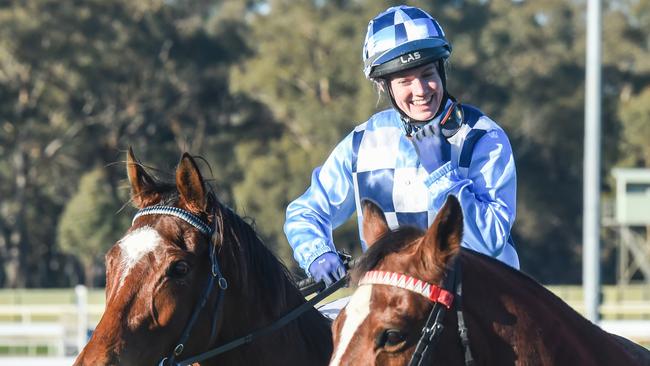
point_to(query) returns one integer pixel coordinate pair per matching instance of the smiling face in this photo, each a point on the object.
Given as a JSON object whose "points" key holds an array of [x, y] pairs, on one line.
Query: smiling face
{"points": [[418, 92]]}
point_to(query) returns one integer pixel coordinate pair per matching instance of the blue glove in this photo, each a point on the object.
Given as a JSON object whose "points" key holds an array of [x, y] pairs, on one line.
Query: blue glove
{"points": [[328, 268], [428, 144]]}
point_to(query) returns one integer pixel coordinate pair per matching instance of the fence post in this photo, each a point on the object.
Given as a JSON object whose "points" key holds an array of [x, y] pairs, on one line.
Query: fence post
{"points": [[81, 293]]}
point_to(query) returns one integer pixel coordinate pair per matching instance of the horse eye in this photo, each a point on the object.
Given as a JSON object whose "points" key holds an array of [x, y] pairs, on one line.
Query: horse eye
{"points": [[391, 338], [179, 269]]}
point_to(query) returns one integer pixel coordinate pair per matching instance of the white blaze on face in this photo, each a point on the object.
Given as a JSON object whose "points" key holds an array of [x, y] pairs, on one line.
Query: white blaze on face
{"points": [[355, 313], [135, 246]]}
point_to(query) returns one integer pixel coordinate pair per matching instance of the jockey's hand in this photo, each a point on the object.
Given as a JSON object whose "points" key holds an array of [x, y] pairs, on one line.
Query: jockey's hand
{"points": [[328, 268], [428, 142]]}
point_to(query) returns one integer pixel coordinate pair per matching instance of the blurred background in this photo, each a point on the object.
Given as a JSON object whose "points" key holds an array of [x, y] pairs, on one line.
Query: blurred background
{"points": [[263, 90]]}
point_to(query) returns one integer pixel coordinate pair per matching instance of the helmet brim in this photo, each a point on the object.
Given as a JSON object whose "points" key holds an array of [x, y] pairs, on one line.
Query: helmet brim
{"points": [[388, 62]]}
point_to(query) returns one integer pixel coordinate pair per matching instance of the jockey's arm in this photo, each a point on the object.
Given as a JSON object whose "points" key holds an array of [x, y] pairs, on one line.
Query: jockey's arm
{"points": [[487, 195], [327, 203]]}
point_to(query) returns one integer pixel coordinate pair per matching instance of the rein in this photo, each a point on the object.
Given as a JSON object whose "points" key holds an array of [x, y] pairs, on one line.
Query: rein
{"points": [[216, 275], [292, 315], [442, 299]]}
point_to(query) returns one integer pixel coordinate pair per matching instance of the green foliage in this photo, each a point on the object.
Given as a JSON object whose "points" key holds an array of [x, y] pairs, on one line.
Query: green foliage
{"points": [[525, 76], [91, 221], [263, 90], [635, 116], [82, 82], [307, 69]]}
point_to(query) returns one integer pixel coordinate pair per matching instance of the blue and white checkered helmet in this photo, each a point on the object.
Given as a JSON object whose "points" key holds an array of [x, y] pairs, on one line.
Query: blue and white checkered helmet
{"points": [[400, 38]]}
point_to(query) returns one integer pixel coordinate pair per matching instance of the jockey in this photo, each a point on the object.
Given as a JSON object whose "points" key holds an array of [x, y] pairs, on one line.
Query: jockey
{"points": [[409, 158]]}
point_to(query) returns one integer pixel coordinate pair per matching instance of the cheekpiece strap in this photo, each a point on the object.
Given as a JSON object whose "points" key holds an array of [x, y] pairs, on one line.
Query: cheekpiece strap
{"points": [[175, 211], [432, 292]]}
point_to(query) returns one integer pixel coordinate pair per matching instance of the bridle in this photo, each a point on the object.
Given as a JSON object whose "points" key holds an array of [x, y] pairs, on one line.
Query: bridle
{"points": [[215, 275], [442, 299]]}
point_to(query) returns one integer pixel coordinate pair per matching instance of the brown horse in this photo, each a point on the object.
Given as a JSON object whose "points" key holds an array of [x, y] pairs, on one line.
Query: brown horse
{"points": [[191, 272], [409, 279]]}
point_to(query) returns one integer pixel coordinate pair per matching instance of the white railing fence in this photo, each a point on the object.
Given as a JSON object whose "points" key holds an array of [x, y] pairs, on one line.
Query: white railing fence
{"points": [[52, 329], [30, 327]]}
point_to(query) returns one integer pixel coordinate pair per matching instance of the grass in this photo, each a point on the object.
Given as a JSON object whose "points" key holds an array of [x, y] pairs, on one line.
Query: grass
{"points": [[569, 293], [38, 350], [614, 306]]}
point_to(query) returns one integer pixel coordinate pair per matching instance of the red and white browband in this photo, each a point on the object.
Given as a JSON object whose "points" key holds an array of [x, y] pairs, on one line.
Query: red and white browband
{"points": [[431, 292]]}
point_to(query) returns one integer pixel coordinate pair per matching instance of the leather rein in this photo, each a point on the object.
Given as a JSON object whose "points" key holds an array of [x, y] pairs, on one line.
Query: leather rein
{"points": [[222, 284]]}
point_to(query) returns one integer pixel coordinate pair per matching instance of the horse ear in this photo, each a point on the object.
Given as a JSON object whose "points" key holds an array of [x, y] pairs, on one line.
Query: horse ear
{"points": [[143, 186], [443, 239], [374, 222], [189, 183]]}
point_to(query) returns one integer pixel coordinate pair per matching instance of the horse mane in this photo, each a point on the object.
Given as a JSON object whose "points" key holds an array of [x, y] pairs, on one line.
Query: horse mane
{"points": [[404, 237], [391, 242], [261, 274], [266, 279], [473, 259], [265, 276], [515, 300]]}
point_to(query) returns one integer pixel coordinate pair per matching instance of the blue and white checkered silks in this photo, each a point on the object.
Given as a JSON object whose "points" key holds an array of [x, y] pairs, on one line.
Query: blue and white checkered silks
{"points": [[376, 161], [397, 31]]}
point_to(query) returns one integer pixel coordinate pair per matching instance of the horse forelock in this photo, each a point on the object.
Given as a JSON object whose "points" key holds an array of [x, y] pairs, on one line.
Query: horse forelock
{"points": [[391, 242]]}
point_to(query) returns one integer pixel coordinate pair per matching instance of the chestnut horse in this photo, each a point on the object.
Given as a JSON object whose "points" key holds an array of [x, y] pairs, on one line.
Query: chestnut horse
{"points": [[422, 299], [191, 275]]}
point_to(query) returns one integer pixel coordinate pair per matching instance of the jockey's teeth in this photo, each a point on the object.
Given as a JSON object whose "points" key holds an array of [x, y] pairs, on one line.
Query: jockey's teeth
{"points": [[421, 101]]}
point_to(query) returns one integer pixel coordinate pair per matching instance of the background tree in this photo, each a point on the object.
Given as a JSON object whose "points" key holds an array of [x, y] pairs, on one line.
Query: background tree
{"points": [[81, 82], [91, 222], [263, 90], [306, 68], [524, 66]]}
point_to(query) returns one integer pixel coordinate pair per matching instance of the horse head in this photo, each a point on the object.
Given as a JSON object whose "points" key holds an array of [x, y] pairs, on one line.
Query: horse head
{"points": [[156, 272], [166, 297], [381, 325], [423, 300]]}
